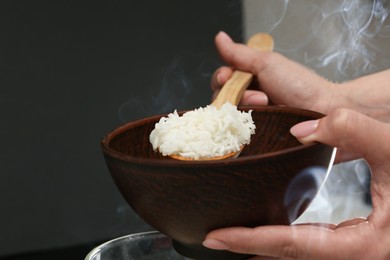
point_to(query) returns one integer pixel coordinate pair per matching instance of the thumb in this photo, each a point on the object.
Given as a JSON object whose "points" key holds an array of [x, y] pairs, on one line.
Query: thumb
{"points": [[350, 131], [239, 55]]}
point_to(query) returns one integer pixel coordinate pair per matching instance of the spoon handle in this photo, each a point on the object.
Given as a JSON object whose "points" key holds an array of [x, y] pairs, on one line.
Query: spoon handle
{"points": [[235, 87]]}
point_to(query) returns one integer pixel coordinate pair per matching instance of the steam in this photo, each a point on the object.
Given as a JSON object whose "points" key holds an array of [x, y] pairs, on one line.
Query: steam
{"points": [[340, 39], [171, 94], [350, 49], [181, 85], [303, 189], [342, 195]]}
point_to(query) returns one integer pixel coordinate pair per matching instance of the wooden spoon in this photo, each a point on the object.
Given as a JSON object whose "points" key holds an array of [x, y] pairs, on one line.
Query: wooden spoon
{"points": [[235, 87]]}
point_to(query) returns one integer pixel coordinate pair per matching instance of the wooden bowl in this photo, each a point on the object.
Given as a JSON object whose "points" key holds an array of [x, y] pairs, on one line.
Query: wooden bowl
{"points": [[187, 199]]}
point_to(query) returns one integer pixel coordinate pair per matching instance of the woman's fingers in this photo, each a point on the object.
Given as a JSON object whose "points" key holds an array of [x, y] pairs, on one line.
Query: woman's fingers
{"points": [[351, 131], [285, 82], [220, 77], [238, 55], [294, 242], [254, 98], [250, 97]]}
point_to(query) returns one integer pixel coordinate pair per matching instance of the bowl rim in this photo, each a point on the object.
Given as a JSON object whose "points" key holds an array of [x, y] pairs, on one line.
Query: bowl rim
{"points": [[178, 163]]}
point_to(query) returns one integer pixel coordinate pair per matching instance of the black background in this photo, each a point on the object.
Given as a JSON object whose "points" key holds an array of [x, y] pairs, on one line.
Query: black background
{"points": [[70, 72]]}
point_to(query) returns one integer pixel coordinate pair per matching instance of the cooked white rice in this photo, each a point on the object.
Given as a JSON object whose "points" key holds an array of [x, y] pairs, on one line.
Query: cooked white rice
{"points": [[204, 132]]}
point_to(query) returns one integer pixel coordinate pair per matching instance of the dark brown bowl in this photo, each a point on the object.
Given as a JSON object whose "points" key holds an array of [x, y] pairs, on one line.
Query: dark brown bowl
{"points": [[187, 199]]}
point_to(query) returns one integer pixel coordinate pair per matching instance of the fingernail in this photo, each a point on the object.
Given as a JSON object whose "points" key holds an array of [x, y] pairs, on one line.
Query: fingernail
{"points": [[304, 129], [215, 244], [218, 78], [259, 99]]}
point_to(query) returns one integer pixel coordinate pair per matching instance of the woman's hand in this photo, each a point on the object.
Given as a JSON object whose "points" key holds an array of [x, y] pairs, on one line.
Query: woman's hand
{"points": [[278, 80], [368, 238]]}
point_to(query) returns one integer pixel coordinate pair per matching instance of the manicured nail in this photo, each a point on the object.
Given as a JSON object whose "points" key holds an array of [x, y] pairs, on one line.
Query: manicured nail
{"points": [[215, 244], [304, 129], [258, 99]]}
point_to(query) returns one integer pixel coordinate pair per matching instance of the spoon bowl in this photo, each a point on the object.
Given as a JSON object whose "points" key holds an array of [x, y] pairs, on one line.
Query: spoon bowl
{"points": [[231, 155]]}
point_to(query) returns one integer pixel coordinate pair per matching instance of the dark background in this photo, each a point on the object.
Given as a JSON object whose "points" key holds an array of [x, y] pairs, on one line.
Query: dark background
{"points": [[70, 72]]}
